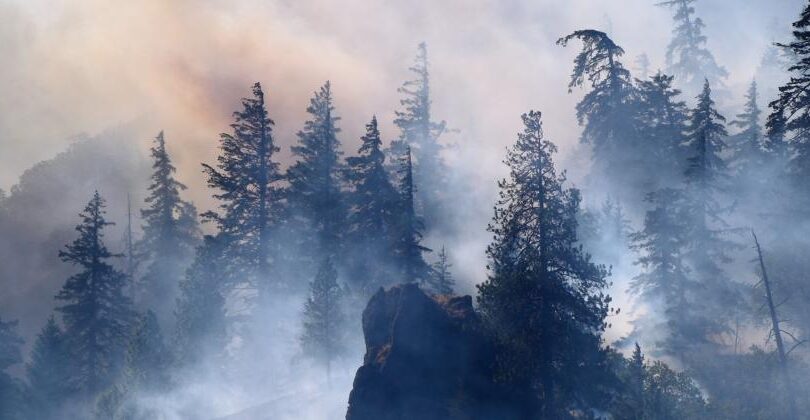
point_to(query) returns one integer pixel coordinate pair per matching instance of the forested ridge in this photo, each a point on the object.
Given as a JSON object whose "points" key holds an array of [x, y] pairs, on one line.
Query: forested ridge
{"points": [[701, 210]]}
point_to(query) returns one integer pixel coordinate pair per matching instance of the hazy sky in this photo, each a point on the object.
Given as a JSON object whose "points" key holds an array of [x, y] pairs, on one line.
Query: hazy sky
{"points": [[74, 67]]}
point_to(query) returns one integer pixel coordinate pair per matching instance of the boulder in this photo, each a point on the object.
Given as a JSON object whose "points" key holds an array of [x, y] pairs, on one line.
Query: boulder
{"points": [[426, 358]]}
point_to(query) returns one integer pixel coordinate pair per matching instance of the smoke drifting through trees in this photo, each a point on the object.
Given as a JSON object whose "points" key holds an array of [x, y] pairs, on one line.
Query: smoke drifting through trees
{"points": [[293, 253]]}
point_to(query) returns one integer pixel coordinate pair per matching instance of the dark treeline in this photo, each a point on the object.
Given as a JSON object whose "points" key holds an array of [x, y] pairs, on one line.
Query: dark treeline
{"points": [[717, 336]]}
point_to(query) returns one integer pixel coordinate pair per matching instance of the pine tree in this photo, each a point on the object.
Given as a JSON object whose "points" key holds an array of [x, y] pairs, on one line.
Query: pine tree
{"points": [[170, 233], [373, 202], [637, 373], [687, 56], [11, 390], [661, 121], [544, 298], [247, 180], [200, 310], [607, 114], [48, 373], [421, 133], [441, 279], [315, 191], [94, 308], [747, 151], [706, 179], [322, 339], [664, 279], [790, 112], [408, 247]]}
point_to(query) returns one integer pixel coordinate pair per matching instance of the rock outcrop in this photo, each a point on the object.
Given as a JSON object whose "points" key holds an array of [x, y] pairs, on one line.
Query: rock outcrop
{"points": [[426, 359]]}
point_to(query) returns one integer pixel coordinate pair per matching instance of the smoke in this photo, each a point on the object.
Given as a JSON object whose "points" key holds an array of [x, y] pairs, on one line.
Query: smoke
{"points": [[84, 66]]}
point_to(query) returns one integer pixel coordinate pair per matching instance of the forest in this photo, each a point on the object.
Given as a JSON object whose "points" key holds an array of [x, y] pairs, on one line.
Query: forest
{"points": [[669, 281]]}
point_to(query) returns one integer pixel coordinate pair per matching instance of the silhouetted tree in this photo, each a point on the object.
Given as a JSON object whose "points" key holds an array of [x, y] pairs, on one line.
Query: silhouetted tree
{"points": [[543, 299], [687, 56], [408, 246], [421, 133], [170, 233], [661, 119], [747, 151], [314, 193], [247, 180], [708, 245], [373, 201], [324, 321], [96, 313], [607, 114], [48, 373], [441, 279]]}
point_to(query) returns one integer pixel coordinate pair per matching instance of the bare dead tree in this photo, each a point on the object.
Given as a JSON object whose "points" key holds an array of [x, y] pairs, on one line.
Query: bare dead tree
{"points": [[777, 332]]}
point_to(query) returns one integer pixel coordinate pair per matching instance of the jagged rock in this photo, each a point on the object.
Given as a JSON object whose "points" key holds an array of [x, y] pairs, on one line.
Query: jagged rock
{"points": [[426, 358]]}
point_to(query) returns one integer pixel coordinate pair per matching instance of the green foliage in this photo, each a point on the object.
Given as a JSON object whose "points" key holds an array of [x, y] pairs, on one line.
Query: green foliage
{"points": [[544, 299]]}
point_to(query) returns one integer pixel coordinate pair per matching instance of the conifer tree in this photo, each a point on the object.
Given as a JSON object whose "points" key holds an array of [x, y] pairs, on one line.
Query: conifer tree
{"points": [[665, 278], [706, 179], [247, 178], [373, 202], [419, 131], [747, 151], [637, 373], [441, 279], [315, 191], [661, 121], [607, 114], [48, 373], [11, 391], [790, 112], [324, 321], [687, 57], [200, 313], [96, 313], [169, 235], [408, 246], [544, 299]]}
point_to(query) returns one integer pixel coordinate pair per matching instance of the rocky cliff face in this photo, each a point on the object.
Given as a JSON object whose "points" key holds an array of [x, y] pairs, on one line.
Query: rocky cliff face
{"points": [[426, 358]]}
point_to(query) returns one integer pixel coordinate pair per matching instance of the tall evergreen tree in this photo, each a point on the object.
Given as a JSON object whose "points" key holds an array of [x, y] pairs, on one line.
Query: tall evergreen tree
{"points": [[315, 190], [544, 299], [706, 179], [373, 201], [408, 246], [665, 279], [200, 313], [170, 233], [661, 121], [607, 114], [96, 313], [747, 148], [247, 180], [48, 373], [790, 112], [419, 131], [441, 279], [11, 391], [324, 321], [687, 56]]}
